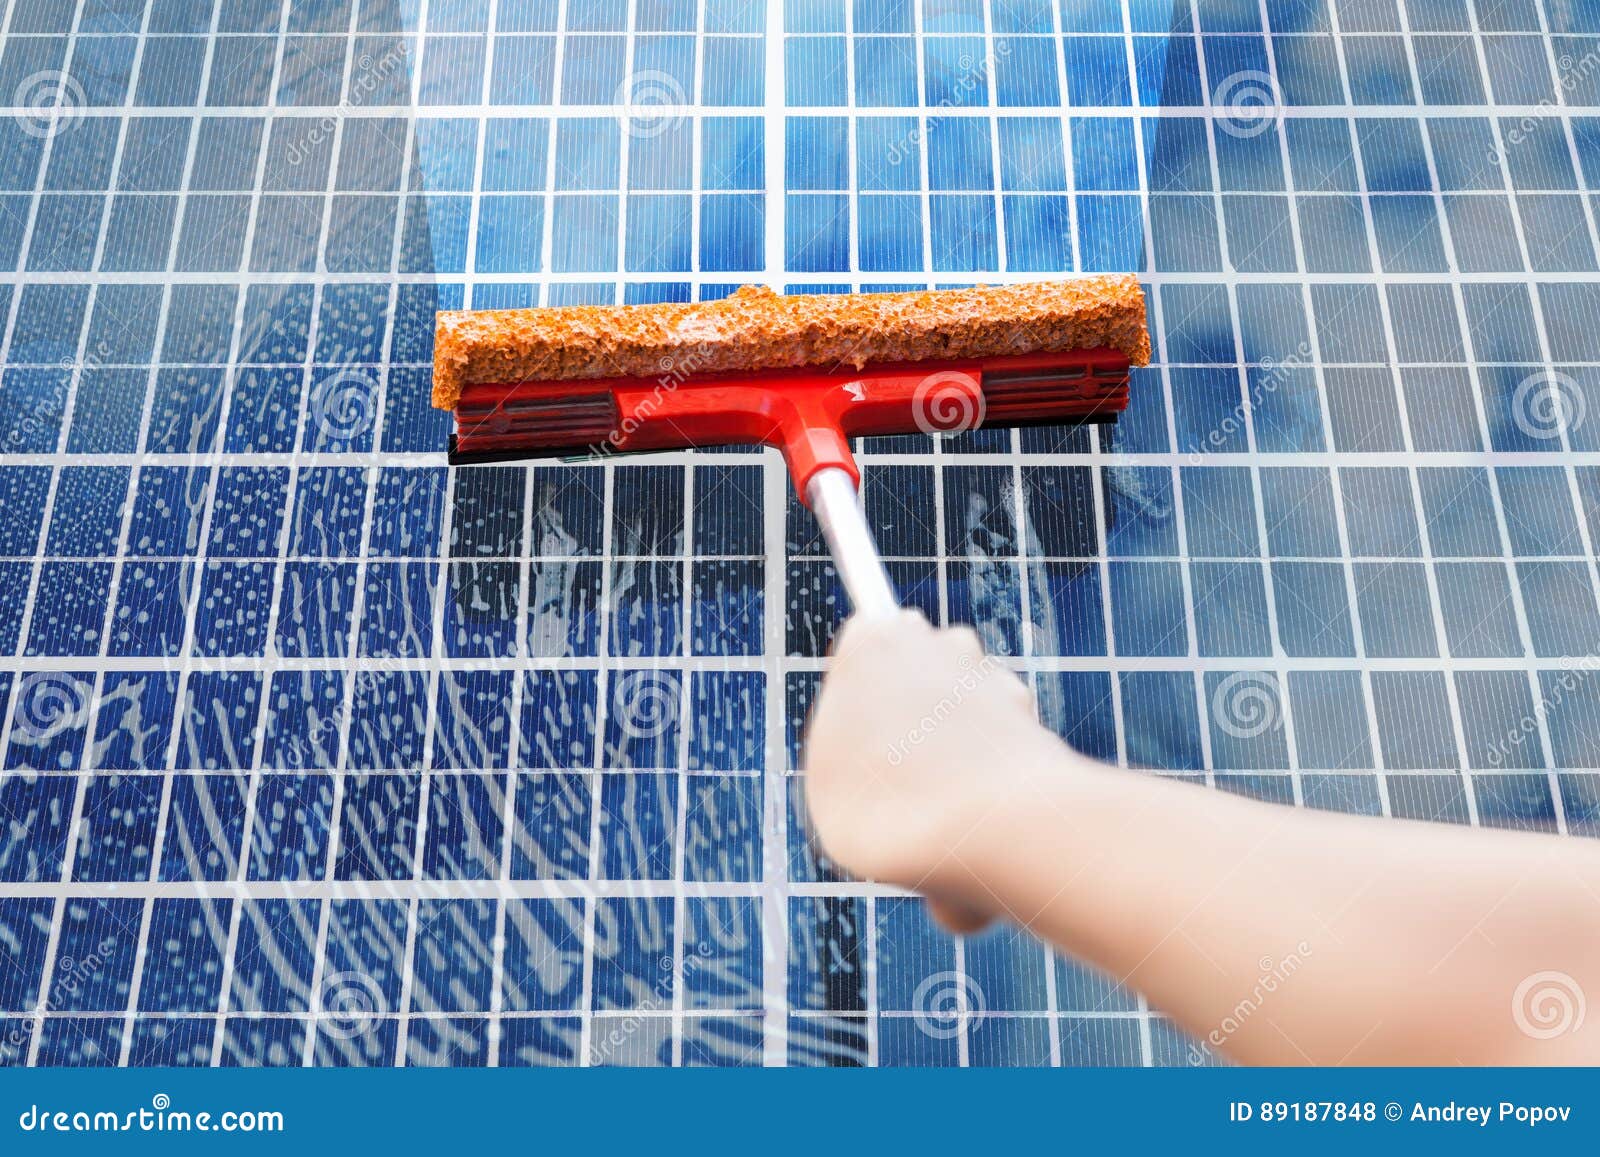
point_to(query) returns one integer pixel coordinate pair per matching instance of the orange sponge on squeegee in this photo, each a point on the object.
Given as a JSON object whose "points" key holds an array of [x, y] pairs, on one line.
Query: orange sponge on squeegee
{"points": [[757, 329]]}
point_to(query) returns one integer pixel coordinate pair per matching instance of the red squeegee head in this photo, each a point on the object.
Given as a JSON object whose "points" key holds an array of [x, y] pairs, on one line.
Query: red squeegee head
{"points": [[803, 374], [810, 415]]}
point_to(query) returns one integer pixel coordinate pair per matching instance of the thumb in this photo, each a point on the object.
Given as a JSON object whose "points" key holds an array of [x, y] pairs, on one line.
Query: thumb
{"points": [[861, 631], [957, 919]]}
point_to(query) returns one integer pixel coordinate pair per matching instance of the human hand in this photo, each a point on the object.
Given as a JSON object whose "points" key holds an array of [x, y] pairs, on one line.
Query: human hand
{"points": [[913, 737]]}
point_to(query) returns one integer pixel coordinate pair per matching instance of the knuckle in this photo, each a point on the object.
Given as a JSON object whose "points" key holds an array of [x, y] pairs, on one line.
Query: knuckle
{"points": [[964, 640]]}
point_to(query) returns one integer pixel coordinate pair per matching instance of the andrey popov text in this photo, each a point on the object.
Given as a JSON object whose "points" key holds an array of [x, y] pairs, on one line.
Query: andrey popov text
{"points": [[1506, 1111], [1357, 1112]]}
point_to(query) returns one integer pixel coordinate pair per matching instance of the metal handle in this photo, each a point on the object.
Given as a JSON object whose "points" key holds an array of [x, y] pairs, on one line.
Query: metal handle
{"points": [[831, 494]]}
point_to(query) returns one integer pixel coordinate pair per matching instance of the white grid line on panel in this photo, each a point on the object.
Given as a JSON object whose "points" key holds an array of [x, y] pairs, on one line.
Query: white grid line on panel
{"points": [[1441, 636], [414, 891], [798, 663], [603, 704], [1068, 157], [1146, 1041], [1320, 459], [74, 828], [31, 606], [195, 579], [1369, 700], [280, 579], [1252, 442], [353, 668], [1541, 329], [1540, 705], [775, 888], [612, 111], [508, 805], [681, 781], [835, 281]]}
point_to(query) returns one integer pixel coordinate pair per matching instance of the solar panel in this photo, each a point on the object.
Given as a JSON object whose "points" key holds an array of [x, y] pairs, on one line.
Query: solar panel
{"points": [[317, 751]]}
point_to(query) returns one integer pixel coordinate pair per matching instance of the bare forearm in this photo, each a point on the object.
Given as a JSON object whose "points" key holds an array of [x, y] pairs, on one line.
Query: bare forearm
{"points": [[1275, 934], [1288, 936]]}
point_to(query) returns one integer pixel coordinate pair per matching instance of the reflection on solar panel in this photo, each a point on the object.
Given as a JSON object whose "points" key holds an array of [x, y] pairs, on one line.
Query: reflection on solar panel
{"points": [[316, 751]]}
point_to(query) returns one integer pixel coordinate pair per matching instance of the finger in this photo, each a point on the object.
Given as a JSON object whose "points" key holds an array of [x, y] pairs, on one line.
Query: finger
{"points": [[860, 631], [1021, 691], [963, 640], [957, 919]]}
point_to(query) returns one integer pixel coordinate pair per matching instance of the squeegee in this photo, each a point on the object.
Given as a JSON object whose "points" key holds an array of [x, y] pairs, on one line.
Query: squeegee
{"points": [[802, 373]]}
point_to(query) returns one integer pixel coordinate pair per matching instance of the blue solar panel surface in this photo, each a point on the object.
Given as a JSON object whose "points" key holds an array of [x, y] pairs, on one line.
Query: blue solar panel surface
{"points": [[316, 751]]}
